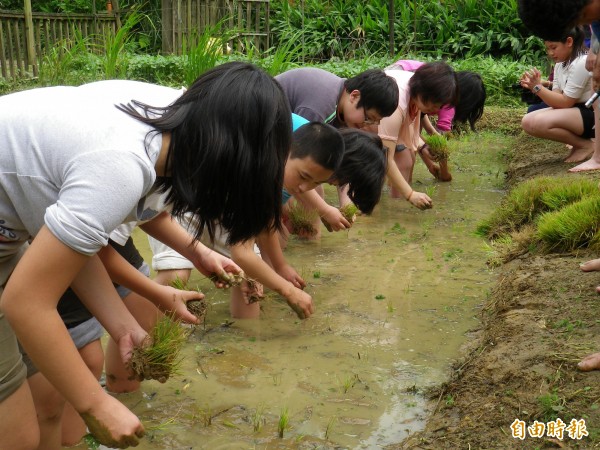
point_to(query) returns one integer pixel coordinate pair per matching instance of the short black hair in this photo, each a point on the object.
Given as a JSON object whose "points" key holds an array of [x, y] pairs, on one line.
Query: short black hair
{"points": [[363, 168], [322, 142], [434, 82], [378, 91], [471, 98], [230, 138], [550, 19]]}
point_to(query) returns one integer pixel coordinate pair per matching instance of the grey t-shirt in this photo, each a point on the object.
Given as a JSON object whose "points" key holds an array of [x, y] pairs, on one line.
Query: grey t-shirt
{"points": [[71, 160], [313, 93]]}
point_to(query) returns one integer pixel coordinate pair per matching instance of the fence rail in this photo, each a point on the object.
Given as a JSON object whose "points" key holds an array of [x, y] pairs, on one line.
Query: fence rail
{"points": [[48, 30]]}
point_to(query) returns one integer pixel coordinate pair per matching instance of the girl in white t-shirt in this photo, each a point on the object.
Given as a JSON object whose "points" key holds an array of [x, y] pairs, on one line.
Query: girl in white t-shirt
{"points": [[566, 119]]}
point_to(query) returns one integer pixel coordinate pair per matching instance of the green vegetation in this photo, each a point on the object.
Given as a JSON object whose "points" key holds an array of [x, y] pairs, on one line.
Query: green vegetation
{"points": [[284, 422], [302, 220], [160, 360], [544, 214], [438, 147]]}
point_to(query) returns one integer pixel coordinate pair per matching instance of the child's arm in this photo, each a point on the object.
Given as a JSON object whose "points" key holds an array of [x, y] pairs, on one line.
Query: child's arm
{"points": [[29, 303], [311, 199], [270, 248], [208, 262], [259, 270], [167, 298], [426, 124], [418, 199]]}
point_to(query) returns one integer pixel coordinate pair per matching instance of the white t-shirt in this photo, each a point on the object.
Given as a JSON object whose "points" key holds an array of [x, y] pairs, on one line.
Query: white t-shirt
{"points": [[71, 160], [574, 81]]}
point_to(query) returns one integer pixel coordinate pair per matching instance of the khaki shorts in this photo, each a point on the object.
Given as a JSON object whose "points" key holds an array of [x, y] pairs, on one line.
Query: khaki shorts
{"points": [[13, 371]]}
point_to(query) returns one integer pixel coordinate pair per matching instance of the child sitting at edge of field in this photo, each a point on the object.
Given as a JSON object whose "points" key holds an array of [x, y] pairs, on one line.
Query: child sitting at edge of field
{"points": [[567, 119]]}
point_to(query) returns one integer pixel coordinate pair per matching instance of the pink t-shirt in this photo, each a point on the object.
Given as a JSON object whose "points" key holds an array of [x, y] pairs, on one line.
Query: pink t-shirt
{"points": [[399, 127], [446, 114]]}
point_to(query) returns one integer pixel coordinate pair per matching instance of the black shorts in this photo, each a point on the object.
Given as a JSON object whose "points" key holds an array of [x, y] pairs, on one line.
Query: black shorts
{"points": [[587, 116]]}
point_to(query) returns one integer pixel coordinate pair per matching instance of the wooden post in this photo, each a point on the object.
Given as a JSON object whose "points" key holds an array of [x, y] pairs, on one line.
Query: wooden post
{"points": [[167, 26], [29, 37], [117, 10]]}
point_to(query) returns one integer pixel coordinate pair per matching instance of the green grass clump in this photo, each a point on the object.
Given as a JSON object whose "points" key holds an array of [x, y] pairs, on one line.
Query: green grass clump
{"points": [[160, 360], [572, 227], [533, 197], [349, 212], [438, 147]]}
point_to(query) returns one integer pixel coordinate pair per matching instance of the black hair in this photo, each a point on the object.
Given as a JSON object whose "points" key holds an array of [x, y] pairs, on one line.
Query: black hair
{"points": [[471, 99], [434, 82], [578, 48], [363, 168], [377, 91], [230, 138], [322, 142], [550, 19]]}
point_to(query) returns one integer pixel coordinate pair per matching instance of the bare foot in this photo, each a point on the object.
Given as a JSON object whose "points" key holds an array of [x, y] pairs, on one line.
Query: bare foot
{"points": [[579, 154], [589, 165], [590, 362], [592, 265]]}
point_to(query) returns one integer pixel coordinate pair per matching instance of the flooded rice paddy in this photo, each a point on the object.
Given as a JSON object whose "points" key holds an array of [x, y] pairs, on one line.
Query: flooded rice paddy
{"points": [[395, 297]]}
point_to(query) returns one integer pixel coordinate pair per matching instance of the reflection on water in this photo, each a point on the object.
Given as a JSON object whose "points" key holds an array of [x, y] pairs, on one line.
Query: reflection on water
{"points": [[394, 296]]}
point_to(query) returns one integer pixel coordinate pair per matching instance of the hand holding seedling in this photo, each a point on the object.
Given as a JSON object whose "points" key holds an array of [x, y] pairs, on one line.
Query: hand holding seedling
{"points": [[220, 269], [420, 200], [173, 301], [335, 219]]}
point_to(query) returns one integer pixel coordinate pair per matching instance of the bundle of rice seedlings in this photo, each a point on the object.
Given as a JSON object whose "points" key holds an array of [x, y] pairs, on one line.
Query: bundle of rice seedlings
{"points": [[529, 199], [349, 212], [302, 220], [160, 360], [572, 227], [438, 147]]}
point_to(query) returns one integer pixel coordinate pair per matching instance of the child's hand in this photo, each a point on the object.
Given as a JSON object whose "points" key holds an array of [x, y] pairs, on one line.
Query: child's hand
{"points": [[301, 303], [290, 274], [420, 200], [173, 301], [336, 219], [128, 341], [112, 424], [216, 266], [251, 291]]}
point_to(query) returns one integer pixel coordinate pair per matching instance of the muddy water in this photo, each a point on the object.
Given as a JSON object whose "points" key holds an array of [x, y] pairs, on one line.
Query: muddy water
{"points": [[395, 297]]}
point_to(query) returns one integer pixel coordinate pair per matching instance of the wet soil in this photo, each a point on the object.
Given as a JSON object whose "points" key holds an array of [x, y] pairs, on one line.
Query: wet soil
{"points": [[541, 318]]}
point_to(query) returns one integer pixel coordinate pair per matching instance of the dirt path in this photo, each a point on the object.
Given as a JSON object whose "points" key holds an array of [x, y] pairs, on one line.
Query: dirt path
{"points": [[542, 317]]}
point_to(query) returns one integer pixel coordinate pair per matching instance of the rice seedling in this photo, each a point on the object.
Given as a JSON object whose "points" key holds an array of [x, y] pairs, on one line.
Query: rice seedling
{"points": [[302, 220], [258, 419], [348, 383], [438, 147], [431, 190], [529, 199], [284, 422], [507, 247], [329, 427], [160, 360], [572, 227]]}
